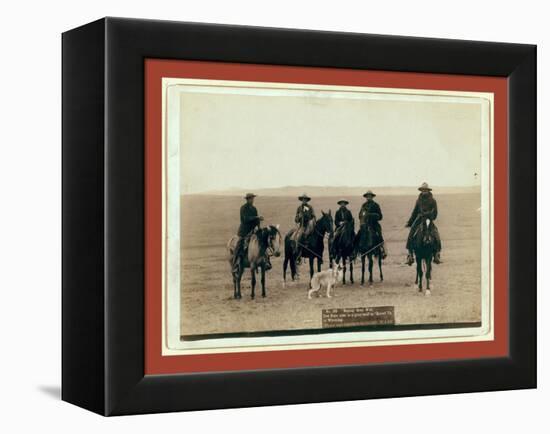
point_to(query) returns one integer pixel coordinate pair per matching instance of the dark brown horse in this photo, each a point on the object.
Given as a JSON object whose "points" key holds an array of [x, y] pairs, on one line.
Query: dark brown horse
{"points": [[312, 247], [343, 248], [424, 249], [368, 245], [263, 243]]}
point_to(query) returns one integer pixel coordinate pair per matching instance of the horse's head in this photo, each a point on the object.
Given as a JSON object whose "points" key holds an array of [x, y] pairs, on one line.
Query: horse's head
{"points": [[426, 237], [325, 225], [273, 241]]}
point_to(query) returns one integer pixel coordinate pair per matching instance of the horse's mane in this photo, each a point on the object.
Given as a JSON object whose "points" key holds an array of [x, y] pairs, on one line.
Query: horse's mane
{"points": [[344, 234], [264, 233]]}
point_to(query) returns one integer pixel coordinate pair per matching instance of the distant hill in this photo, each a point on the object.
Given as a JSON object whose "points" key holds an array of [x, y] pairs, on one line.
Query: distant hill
{"points": [[316, 191]]}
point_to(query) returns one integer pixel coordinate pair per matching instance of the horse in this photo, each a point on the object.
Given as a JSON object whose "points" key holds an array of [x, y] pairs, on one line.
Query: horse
{"points": [[264, 243], [424, 248], [343, 248], [368, 244], [313, 246]]}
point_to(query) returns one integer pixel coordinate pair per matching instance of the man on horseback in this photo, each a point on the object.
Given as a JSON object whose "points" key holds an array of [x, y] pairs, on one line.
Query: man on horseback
{"points": [[250, 220], [425, 207], [370, 215], [305, 219], [343, 214]]}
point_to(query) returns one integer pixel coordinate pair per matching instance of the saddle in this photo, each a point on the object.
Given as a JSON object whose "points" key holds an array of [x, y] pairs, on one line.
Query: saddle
{"points": [[303, 232]]}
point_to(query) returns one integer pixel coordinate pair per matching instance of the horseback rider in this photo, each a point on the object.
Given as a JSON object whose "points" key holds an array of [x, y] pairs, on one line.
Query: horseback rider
{"points": [[426, 206], [343, 214], [250, 220], [305, 218], [370, 215]]}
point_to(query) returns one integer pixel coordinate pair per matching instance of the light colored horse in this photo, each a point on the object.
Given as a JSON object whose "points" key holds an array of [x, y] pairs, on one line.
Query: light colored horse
{"points": [[263, 243]]}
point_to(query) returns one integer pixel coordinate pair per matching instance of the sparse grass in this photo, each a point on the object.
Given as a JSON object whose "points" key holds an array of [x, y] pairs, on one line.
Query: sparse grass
{"points": [[207, 303]]}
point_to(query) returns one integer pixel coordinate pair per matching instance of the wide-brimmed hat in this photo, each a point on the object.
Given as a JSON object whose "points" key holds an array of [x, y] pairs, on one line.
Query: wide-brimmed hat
{"points": [[424, 187], [342, 202], [304, 197], [369, 193], [249, 195]]}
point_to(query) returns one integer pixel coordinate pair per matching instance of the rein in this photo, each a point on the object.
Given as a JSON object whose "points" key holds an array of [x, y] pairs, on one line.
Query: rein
{"points": [[309, 250], [370, 250]]}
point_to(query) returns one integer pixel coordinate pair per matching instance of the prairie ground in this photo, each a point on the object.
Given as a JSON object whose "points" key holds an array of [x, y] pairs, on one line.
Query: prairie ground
{"points": [[207, 304]]}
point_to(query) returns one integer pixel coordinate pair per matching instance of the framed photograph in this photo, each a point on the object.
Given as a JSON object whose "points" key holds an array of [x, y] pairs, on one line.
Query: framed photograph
{"points": [[261, 216]]}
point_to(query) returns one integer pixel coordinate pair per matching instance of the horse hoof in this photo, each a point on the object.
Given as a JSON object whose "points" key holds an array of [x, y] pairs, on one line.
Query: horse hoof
{"points": [[252, 297], [263, 295], [428, 292]]}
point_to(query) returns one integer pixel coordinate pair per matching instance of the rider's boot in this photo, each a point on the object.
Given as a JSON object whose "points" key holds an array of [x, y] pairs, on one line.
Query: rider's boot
{"points": [[383, 252], [410, 258], [437, 257]]}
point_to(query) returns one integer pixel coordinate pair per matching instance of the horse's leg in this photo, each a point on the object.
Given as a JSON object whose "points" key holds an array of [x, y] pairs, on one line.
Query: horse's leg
{"points": [[319, 264], [293, 267], [285, 265], [234, 285], [362, 270], [416, 277], [428, 274], [419, 272], [263, 279], [371, 263], [380, 266], [253, 281], [311, 259], [238, 278], [344, 267], [351, 271]]}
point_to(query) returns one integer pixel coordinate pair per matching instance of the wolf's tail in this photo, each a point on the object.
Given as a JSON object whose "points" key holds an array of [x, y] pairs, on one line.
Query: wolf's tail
{"points": [[315, 284]]}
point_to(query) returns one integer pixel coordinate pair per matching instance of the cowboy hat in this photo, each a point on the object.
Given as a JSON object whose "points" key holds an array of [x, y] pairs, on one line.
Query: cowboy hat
{"points": [[342, 201], [424, 187], [304, 197], [369, 193], [249, 195]]}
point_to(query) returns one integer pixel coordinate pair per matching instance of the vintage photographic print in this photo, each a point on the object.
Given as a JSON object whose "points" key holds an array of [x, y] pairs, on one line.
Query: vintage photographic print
{"points": [[314, 216]]}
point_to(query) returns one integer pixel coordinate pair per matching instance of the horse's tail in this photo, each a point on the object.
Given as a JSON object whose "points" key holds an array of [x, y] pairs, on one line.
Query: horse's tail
{"points": [[290, 243], [231, 244]]}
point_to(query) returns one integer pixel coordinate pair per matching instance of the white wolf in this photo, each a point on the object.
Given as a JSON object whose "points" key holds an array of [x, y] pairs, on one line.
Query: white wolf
{"points": [[327, 278]]}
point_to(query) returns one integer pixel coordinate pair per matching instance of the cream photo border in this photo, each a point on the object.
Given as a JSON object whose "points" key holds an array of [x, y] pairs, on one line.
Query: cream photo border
{"points": [[173, 88]]}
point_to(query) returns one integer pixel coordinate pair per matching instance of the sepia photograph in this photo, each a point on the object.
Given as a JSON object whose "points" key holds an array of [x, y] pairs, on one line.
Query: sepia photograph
{"points": [[305, 216]]}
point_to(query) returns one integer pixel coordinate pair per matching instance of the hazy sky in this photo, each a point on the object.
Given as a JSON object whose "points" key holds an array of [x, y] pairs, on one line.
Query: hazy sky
{"points": [[251, 142]]}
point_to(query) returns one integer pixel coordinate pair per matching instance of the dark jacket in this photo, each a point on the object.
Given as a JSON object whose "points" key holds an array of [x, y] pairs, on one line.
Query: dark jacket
{"points": [[304, 214], [342, 215], [249, 219], [425, 206], [370, 213]]}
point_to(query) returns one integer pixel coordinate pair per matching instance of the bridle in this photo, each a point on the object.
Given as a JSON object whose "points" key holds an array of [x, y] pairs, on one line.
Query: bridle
{"points": [[270, 249]]}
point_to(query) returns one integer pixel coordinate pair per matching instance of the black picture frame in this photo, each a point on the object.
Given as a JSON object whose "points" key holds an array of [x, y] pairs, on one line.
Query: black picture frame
{"points": [[103, 215]]}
